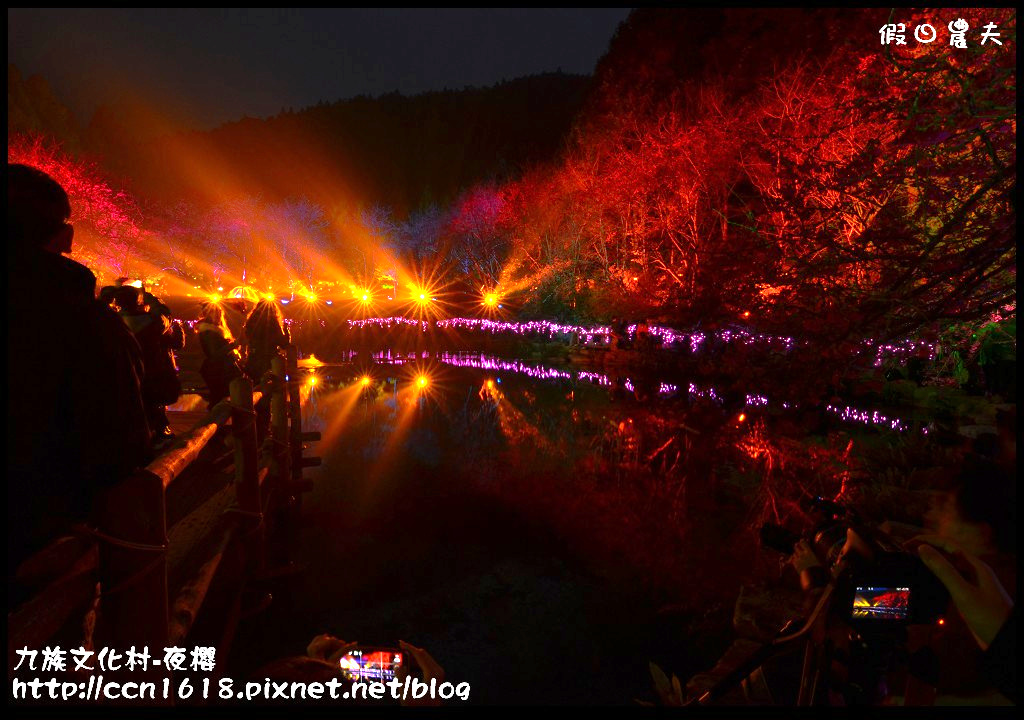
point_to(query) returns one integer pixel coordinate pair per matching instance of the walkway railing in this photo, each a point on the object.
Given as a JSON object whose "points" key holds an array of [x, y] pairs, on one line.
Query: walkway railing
{"points": [[127, 551]]}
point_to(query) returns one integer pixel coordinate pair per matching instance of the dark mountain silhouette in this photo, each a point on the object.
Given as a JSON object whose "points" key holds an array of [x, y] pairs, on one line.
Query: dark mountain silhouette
{"points": [[32, 108], [401, 151]]}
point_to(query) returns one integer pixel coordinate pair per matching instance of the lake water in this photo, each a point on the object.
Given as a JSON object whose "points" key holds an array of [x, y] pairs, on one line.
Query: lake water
{"points": [[544, 532]]}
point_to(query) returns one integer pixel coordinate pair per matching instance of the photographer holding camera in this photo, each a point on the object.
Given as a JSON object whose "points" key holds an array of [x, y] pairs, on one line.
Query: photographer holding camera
{"points": [[971, 551], [877, 625], [985, 607]]}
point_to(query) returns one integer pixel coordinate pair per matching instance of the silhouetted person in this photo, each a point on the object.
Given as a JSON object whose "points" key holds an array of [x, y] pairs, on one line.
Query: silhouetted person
{"points": [[236, 311], [158, 337], [265, 333], [643, 335], [220, 354], [107, 292], [75, 420], [155, 306], [619, 334]]}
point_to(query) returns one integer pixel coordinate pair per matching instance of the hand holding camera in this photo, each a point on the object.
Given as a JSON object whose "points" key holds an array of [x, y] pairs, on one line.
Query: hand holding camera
{"points": [[981, 600]]}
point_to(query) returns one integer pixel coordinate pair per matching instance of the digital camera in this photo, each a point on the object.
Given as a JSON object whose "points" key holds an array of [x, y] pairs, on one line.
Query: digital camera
{"points": [[879, 586]]}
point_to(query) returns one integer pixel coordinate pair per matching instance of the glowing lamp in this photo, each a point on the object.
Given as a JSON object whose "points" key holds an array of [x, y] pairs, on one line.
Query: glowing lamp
{"points": [[312, 380], [490, 299], [746, 314], [742, 417], [422, 381], [364, 380], [490, 384]]}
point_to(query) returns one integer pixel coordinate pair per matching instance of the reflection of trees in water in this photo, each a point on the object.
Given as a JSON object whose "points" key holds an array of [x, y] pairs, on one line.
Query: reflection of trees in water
{"points": [[383, 422], [670, 461], [476, 432]]}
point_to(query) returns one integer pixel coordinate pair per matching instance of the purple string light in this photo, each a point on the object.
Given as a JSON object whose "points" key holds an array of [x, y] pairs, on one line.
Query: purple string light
{"points": [[601, 333], [851, 414]]}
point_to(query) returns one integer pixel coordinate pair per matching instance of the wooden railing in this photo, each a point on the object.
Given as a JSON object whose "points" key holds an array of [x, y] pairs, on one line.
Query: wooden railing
{"points": [[127, 549]]}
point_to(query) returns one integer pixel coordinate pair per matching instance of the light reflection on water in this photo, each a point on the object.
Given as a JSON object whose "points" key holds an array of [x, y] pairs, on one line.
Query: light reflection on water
{"points": [[648, 385]]}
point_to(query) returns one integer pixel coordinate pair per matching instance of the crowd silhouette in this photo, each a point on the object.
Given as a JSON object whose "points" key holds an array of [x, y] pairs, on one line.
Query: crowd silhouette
{"points": [[92, 373]]}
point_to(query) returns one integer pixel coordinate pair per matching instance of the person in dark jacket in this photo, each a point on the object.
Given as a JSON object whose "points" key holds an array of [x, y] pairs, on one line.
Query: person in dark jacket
{"points": [[75, 420], [220, 352], [265, 334], [158, 337], [108, 291]]}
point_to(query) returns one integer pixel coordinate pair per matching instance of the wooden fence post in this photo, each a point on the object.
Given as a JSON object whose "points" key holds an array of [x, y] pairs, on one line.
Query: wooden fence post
{"points": [[297, 436], [294, 412], [247, 475], [132, 525], [279, 427]]}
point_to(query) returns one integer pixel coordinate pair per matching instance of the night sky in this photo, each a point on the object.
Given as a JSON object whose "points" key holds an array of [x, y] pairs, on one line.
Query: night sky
{"points": [[206, 67]]}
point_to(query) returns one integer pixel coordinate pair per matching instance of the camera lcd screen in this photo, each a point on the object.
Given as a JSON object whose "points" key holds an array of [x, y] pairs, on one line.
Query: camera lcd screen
{"points": [[881, 603], [375, 665]]}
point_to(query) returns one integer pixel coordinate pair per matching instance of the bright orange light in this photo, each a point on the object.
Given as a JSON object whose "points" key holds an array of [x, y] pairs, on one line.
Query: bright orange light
{"points": [[364, 380], [269, 296], [311, 296], [742, 417], [365, 296], [942, 621], [214, 298], [312, 380], [422, 381], [490, 299], [490, 384], [746, 314]]}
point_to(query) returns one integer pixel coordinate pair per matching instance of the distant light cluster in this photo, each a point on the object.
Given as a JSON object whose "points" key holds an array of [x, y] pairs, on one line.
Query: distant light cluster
{"points": [[389, 322], [596, 378], [541, 327], [901, 350], [865, 417], [485, 362], [707, 393]]}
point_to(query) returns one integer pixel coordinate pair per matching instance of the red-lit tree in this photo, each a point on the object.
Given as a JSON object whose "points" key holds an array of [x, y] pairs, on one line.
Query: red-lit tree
{"points": [[848, 190], [888, 179], [107, 221]]}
